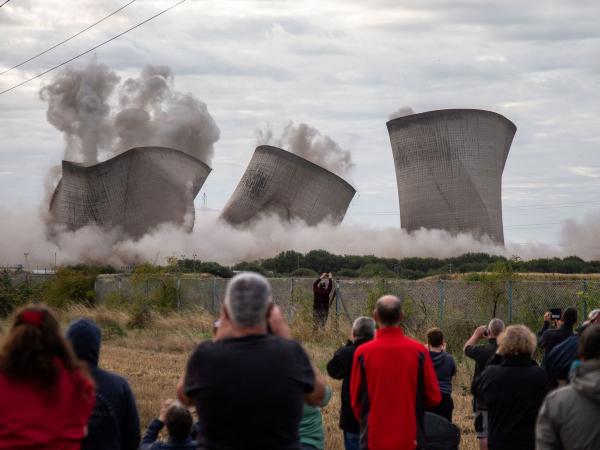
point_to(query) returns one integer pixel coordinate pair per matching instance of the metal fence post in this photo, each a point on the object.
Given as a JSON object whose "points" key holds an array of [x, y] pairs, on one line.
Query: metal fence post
{"points": [[291, 291], [442, 304], [509, 289], [214, 296], [584, 300], [178, 294]]}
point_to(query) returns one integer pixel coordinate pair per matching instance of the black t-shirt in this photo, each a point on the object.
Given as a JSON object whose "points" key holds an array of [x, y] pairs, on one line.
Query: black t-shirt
{"points": [[249, 391]]}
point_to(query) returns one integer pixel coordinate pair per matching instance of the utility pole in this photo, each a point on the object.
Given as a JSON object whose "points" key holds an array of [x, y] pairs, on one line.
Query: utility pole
{"points": [[26, 255], [55, 262]]}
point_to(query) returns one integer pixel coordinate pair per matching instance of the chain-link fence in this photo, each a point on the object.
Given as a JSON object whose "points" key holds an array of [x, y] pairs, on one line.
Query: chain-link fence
{"points": [[425, 303]]}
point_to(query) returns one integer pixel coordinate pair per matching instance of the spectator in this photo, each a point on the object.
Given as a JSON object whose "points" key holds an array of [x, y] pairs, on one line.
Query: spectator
{"points": [[393, 380], [440, 434], [249, 387], [114, 423], [445, 369], [178, 420], [340, 368], [321, 291], [562, 357], [311, 432], [482, 354], [569, 416], [46, 397], [548, 339], [513, 391]]}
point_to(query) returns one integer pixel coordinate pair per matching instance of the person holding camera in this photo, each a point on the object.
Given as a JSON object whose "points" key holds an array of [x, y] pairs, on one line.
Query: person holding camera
{"points": [[563, 329], [481, 354], [178, 421], [250, 383], [321, 289]]}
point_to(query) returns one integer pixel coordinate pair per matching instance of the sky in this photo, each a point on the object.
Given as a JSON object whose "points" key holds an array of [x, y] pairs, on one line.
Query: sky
{"points": [[341, 67]]}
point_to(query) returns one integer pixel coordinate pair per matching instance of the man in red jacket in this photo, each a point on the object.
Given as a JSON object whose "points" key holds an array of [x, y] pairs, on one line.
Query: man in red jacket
{"points": [[392, 382]]}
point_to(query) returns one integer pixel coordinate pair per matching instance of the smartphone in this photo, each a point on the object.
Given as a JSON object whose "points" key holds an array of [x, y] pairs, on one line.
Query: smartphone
{"points": [[556, 313]]}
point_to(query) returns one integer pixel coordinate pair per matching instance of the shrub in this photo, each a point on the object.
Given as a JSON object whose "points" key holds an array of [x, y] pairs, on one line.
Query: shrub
{"points": [[70, 286], [304, 272]]}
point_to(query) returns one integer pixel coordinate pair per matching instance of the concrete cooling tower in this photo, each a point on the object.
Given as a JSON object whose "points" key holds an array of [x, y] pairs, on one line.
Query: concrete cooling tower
{"points": [[136, 190], [282, 183], [449, 166]]}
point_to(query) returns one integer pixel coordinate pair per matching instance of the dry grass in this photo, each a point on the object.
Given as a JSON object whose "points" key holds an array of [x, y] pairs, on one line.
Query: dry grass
{"points": [[152, 359]]}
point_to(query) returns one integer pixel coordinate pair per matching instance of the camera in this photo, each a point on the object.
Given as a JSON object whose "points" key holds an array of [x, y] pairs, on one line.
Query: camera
{"points": [[556, 313], [486, 332]]}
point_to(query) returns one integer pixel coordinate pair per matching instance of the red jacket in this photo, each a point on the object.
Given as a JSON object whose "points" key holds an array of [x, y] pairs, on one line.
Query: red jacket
{"points": [[392, 381], [33, 419]]}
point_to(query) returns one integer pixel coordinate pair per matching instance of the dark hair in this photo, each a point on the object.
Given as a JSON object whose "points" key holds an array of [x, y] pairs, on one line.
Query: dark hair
{"points": [[389, 313], [569, 316], [33, 345], [435, 337], [179, 422], [589, 342]]}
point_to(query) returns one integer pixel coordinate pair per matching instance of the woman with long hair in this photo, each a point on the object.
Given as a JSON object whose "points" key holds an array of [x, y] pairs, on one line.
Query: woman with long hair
{"points": [[46, 396]]}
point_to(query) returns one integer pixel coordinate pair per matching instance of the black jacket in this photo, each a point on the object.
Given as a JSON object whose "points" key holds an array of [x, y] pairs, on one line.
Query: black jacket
{"points": [[440, 434], [114, 423], [548, 339], [340, 368], [321, 295], [513, 392], [481, 354]]}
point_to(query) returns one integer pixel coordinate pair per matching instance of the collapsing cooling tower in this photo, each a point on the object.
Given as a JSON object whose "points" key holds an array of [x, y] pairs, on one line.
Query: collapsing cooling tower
{"points": [[282, 183], [449, 166], [136, 190]]}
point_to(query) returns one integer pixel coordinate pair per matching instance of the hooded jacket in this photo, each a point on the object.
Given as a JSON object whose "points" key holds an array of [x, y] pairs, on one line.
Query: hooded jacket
{"points": [[569, 416], [445, 369], [114, 423]]}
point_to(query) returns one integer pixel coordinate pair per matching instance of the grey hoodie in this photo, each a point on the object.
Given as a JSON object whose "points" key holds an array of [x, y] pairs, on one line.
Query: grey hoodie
{"points": [[570, 416]]}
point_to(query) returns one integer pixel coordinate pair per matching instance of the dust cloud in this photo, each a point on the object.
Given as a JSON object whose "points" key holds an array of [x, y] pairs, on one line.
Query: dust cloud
{"points": [[401, 112], [307, 142]]}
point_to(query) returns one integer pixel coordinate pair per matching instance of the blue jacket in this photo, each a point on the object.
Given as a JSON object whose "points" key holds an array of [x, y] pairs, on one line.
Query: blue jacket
{"points": [[114, 423], [149, 440]]}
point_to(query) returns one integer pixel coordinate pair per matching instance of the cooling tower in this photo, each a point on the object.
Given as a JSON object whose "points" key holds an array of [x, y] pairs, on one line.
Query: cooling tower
{"points": [[449, 166], [136, 190], [282, 183]]}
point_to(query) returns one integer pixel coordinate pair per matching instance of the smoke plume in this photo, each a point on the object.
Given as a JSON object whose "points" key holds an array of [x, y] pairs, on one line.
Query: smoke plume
{"points": [[582, 238], [78, 106], [309, 143], [149, 112], [401, 112]]}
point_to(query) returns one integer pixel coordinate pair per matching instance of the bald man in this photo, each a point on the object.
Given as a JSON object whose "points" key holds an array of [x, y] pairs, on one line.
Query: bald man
{"points": [[392, 382]]}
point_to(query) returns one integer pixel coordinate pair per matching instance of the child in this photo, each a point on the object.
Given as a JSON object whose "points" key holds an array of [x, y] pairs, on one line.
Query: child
{"points": [[445, 369], [178, 420]]}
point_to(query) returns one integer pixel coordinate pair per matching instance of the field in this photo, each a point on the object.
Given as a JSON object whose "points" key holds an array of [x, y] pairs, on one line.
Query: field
{"points": [[152, 358]]}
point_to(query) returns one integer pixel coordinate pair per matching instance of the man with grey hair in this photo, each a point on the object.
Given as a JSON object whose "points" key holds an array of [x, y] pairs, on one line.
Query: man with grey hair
{"points": [[249, 384], [340, 368], [482, 354]]}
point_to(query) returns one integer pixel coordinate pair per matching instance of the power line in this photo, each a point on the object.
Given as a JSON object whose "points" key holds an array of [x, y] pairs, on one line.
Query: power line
{"points": [[93, 48], [68, 39], [4, 3]]}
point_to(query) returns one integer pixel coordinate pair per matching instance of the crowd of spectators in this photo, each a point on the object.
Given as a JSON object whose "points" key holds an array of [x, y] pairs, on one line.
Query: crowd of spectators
{"points": [[253, 387]]}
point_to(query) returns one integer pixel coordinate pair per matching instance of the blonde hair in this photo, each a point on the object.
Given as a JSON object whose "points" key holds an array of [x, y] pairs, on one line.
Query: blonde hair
{"points": [[517, 340]]}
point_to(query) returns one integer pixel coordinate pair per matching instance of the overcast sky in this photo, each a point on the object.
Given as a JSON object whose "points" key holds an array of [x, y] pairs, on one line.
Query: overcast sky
{"points": [[341, 67]]}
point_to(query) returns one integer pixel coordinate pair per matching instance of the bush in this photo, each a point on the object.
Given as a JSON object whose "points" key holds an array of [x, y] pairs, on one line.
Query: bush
{"points": [[348, 273], [70, 286]]}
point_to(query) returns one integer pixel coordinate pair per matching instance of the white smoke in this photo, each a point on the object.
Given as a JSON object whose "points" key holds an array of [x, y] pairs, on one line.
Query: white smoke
{"points": [[582, 238], [309, 143], [401, 112], [214, 240], [78, 106], [149, 112]]}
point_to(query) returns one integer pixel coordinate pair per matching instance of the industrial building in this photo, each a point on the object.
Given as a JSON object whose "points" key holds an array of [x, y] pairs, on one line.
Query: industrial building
{"points": [[282, 183], [136, 191], [449, 166]]}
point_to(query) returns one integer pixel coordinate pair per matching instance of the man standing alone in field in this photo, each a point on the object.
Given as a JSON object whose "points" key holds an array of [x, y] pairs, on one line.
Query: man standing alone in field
{"points": [[248, 386], [321, 289], [393, 381]]}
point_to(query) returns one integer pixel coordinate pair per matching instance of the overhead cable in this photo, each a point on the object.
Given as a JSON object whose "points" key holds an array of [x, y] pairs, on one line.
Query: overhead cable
{"points": [[68, 39], [92, 49]]}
